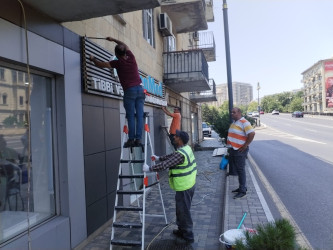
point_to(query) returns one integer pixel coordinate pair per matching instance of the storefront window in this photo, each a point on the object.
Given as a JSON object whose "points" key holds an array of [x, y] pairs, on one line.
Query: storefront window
{"points": [[14, 148]]}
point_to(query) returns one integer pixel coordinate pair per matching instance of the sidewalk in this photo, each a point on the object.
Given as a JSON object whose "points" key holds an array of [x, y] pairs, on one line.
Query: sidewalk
{"points": [[213, 208]]}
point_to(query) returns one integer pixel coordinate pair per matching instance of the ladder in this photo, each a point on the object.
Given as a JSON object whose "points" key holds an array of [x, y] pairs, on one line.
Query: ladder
{"points": [[134, 184], [165, 129]]}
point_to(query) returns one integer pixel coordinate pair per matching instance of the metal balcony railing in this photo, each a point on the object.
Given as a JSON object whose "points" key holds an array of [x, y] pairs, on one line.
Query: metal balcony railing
{"points": [[206, 42], [205, 96], [186, 71]]}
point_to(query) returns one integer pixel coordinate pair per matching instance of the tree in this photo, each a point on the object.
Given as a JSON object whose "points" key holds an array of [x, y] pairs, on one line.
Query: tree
{"points": [[252, 106], [209, 113], [9, 121], [296, 104]]}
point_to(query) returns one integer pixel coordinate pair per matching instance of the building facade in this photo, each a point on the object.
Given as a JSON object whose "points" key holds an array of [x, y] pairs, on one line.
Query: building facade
{"points": [[318, 88], [61, 121], [242, 94]]}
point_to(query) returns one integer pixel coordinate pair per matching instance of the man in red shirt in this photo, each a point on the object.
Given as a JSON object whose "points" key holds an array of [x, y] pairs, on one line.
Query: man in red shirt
{"points": [[175, 124], [130, 80]]}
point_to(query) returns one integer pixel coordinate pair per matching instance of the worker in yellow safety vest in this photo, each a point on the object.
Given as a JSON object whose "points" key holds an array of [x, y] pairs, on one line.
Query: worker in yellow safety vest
{"points": [[182, 177]]}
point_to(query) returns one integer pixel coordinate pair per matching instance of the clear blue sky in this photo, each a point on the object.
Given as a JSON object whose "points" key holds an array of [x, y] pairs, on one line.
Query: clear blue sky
{"points": [[272, 41]]}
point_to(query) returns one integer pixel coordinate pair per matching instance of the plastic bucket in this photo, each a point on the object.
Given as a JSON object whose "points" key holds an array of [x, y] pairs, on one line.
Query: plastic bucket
{"points": [[229, 237]]}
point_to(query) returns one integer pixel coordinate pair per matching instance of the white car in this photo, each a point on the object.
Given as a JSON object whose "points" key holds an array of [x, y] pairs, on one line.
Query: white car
{"points": [[275, 112], [206, 130], [255, 114]]}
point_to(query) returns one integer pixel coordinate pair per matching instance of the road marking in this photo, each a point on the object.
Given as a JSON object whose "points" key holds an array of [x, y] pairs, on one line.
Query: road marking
{"points": [[263, 202], [306, 123], [274, 132], [300, 237], [311, 130]]}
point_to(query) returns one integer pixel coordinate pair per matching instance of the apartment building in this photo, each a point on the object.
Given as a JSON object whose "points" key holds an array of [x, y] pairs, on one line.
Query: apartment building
{"points": [[318, 88], [61, 121], [242, 94]]}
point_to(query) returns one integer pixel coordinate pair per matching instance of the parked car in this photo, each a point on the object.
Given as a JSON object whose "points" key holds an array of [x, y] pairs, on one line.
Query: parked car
{"points": [[206, 130], [297, 114], [249, 113], [262, 112], [275, 112], [255, 114]]}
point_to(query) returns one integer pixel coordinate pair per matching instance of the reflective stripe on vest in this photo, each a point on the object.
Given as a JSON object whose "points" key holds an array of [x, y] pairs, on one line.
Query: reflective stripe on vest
{"points": [[183, 176]]}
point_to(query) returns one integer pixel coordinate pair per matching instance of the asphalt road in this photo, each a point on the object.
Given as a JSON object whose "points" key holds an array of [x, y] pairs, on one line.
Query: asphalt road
{"points": [[296, 156]]}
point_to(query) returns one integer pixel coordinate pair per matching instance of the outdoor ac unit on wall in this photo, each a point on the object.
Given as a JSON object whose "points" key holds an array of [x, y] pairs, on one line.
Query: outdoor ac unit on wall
{"points": [[165, 25]]}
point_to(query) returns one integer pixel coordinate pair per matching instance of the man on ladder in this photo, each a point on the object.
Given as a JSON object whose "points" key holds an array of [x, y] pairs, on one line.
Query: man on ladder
{"points": [[182, 177], [130, 80]]}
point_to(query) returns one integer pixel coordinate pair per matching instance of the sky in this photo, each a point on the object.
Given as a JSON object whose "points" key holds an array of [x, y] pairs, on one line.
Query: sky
{"points": [[271, 41]]}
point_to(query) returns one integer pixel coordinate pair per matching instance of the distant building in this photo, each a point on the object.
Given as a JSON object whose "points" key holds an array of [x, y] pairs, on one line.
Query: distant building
{"points": [[242, 94], [318, 88]]}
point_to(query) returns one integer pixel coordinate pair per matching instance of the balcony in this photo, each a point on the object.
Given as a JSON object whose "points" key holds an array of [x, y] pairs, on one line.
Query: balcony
{"points": [[205, 96], [186, 15], [65, 10], [205, 41], [186, 71]]}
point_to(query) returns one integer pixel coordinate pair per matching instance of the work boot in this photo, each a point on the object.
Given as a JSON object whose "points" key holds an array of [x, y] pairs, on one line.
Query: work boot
{"points": [[178, 233], [182, 241], [236, 190], [129, 143], [240, 195]]}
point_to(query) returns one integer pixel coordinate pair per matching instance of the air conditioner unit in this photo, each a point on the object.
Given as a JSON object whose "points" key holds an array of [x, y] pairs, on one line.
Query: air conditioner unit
{"points": [[196, 36], [165, 25]]}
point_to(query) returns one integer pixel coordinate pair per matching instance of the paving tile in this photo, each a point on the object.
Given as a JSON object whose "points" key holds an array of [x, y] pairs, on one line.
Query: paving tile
{"points": [[212, 199]]}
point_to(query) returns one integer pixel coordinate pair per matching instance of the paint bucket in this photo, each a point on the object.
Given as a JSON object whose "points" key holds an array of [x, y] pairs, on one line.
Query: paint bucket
{"points": [[229, 237]]}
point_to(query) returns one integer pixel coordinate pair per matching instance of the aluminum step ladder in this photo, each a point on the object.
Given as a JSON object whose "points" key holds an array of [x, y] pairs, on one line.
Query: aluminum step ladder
{"points": [[165, 130], [134, 183]]}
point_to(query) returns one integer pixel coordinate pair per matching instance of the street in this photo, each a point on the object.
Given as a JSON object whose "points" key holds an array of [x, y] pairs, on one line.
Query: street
{"points": [[295, 155]]}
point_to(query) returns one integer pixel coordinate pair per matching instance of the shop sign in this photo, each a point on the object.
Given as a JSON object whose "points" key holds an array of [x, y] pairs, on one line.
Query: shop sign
{"points": [[105, 81]]}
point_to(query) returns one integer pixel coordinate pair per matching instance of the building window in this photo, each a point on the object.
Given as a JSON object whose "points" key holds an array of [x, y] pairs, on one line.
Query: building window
{"points": [[21, 100], [169, 43], [4, 99], [21, 76], [2, 74], [14, 158], [14, 76], [148, 26]]}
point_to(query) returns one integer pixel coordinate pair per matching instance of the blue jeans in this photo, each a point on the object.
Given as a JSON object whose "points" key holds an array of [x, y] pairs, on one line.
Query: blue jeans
{"points": [[183, 212], [237, 162], [134, 99]]}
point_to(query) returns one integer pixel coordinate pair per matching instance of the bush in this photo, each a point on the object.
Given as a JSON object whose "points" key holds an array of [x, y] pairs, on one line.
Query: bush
{"points": [[272, 236], [9, 121]]}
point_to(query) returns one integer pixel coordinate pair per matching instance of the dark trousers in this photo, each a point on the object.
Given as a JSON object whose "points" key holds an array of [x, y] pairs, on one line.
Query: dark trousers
{"points": [[237, 164], [183, 212]]}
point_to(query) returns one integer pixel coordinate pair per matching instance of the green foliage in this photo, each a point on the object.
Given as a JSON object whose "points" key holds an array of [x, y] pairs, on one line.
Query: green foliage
{"points": [[284, 102], [209, 114], [220, 118], [271, 236], [222, 124], [252, 106], [9, 121]]}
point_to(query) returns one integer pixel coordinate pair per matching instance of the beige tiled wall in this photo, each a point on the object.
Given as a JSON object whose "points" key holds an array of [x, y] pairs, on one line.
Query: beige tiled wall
{"points": [[149, 59]]}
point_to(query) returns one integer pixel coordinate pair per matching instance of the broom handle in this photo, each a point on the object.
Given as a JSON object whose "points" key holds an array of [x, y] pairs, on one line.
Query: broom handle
{"points": [[242, 220], [97, 38]]}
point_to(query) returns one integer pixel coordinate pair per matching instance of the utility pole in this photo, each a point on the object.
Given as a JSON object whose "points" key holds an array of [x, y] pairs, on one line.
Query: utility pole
{"points": [[259, 109], [227, 54]]}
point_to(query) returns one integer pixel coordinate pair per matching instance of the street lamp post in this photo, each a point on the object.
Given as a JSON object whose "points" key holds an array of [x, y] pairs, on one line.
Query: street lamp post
{"points": [[258, 87], [227, 54]]}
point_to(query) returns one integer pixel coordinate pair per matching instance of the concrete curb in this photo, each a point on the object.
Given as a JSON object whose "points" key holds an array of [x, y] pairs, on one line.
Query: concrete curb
{"points": [[226, 206]]}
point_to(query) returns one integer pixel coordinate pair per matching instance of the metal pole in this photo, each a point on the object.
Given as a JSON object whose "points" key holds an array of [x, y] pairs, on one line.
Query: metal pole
{"points": [[227, 54], [259, 108]]}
